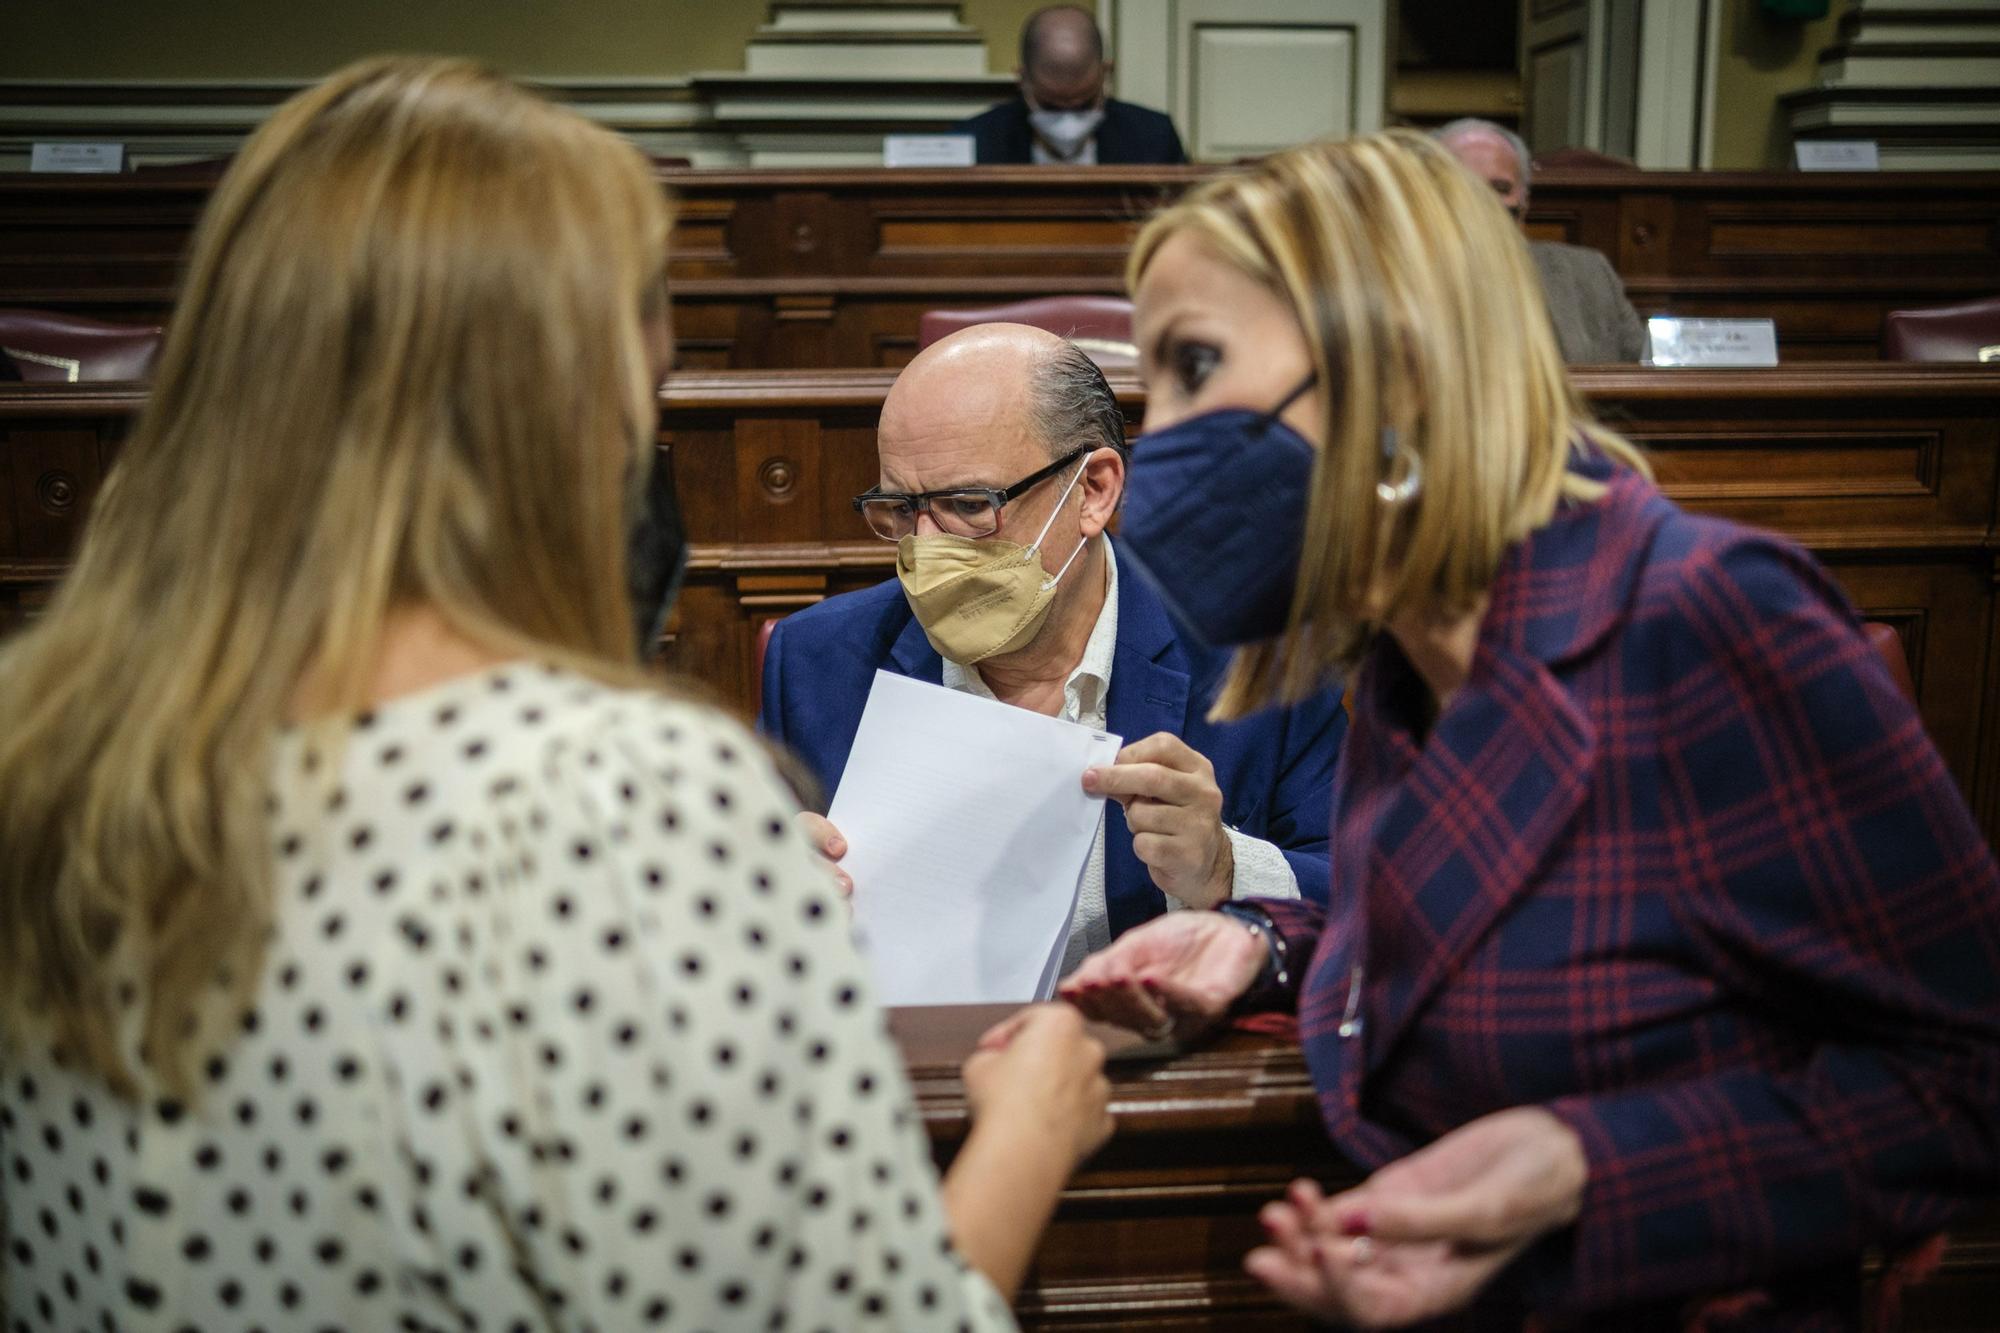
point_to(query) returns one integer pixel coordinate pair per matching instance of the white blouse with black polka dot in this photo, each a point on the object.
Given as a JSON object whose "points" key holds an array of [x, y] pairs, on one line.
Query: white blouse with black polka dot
{"points": [[560, 1029]]}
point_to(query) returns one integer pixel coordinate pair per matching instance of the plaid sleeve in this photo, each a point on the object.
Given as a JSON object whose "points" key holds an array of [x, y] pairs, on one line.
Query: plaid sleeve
{"points": [[1836, 887], [1299, 920]]}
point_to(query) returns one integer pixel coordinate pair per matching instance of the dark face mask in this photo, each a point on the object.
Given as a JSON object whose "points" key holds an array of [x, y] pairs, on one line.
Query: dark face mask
{"points": [[1215, 517], [656, 557]]}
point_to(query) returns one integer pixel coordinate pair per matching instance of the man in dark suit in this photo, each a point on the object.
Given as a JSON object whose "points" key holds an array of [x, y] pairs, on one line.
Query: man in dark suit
{"points": [[1594, 322], [1062, 116], [1024, 601]]}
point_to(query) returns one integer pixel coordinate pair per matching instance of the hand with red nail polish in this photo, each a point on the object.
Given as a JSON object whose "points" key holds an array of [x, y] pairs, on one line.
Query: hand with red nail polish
{"points": [[1424, 1235], [1178, 974]]}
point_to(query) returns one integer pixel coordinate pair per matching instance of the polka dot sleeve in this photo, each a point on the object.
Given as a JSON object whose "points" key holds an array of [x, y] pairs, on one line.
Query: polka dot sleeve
{"points": [[658, 1092]]}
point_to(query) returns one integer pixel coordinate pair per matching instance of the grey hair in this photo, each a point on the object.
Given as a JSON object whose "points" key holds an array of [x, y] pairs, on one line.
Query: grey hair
{"points": [[1466, 126], [1071, 404]]}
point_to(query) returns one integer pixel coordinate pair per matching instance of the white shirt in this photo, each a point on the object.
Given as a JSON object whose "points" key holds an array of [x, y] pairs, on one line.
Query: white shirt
{"points": [[1261, 869], [560, 1027]]}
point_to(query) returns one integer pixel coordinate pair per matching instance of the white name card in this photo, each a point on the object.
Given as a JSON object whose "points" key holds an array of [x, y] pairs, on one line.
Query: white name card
{"points": [[1712, 342], [77, 157], [1837, 155], [927, 150]]}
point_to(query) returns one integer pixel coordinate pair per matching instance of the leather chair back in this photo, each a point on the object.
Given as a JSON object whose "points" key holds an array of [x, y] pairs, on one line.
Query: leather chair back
{"points": [[1968, 332], [1888, 645], [56, 348], [1581, 159], [764, 632], [1100, 325]]}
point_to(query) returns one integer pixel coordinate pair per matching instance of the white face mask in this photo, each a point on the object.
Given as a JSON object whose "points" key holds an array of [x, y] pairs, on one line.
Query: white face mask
{"points": [[1066, 132]]}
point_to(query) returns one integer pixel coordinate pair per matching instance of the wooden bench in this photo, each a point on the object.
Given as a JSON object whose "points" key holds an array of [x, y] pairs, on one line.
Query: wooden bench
{"points": [[1889, 473], [833, 268]]}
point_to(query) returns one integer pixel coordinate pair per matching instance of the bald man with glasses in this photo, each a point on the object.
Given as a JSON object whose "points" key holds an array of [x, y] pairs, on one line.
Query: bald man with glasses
{"points": [[1002, 462]]}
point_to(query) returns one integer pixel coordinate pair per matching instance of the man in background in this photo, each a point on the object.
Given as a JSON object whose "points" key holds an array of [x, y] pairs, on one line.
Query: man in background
{"points": [[1594, 322], [1063, 117], [1001, 445]]}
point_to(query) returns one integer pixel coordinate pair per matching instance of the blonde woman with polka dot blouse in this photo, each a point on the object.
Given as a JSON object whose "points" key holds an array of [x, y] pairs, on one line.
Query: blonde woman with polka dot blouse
{"points": [[377, 949]]}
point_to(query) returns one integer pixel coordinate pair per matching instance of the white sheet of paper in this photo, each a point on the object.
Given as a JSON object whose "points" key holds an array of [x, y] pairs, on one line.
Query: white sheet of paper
{"points": [[968, 832]]}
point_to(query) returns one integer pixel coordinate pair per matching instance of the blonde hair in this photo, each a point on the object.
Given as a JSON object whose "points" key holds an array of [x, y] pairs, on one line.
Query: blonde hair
{"points": [[406, 368], [1422, 313]]}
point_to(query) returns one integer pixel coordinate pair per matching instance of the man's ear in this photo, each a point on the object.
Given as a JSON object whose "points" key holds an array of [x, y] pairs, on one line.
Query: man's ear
{"points": [[1103, 490], [1109, 79]]}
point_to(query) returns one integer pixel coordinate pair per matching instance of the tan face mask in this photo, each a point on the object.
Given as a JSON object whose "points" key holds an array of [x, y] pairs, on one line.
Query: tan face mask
{"points": [[980, 597]]}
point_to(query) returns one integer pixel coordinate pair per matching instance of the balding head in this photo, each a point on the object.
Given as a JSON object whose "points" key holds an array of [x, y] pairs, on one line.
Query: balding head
{"points": [[992, 404], [1493, 153], [1062, 59], [998, 399]]}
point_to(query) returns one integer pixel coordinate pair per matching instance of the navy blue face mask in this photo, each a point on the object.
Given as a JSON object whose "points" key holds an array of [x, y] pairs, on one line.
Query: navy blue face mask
{"points": [[1215, 519], [656, 557]]}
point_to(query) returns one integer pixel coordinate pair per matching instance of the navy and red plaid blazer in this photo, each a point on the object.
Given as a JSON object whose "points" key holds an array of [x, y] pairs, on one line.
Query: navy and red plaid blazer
{"points": [[1678, 862]]}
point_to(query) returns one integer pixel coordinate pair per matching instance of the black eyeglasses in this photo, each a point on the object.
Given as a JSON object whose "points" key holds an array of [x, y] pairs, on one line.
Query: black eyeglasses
{"points": [[963, 511]]}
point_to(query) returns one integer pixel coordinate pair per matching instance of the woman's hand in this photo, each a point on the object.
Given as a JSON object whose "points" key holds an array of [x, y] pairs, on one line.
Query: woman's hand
{"points": [[1038, 1072], [1177, 975], [829, 843], [1040, 1105], [1422, 1236]]}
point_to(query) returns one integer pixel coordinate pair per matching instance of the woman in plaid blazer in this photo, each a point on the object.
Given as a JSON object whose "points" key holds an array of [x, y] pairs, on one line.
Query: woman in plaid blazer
{"points": [[1661, 975]]}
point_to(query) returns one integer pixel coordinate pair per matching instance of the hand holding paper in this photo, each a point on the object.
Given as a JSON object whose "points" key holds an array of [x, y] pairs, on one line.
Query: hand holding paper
{"points": [[967, 831]]}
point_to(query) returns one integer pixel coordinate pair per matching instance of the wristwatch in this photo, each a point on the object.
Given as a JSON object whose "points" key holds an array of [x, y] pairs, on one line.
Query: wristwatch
{"points": [[1272, 986]]}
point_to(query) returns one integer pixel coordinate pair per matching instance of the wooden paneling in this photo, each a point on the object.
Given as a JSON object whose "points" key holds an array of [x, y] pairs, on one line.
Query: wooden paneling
{"points": [[1152, 1231], [1890, 474], [833, 268]]}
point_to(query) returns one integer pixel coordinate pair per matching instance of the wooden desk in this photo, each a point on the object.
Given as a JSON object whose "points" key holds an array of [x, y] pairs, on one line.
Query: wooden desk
{"points": [[1152, 1232], [832, 268], [1889, 474]]}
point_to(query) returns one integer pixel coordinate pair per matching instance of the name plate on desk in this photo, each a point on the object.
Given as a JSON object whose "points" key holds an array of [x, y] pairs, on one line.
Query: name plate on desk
{"points": [[1711, 342], [1837, 155], [109, 157], [928, 150]]}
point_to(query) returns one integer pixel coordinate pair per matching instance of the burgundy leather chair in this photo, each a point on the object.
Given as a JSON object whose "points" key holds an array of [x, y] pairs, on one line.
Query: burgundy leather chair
{"points": [[196, 169], [1968, 332], [1100, 325], [764, 632], [1888, 645], [49, 347]]}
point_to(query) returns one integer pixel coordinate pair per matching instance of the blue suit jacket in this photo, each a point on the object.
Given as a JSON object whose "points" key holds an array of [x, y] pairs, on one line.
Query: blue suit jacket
{"points": [[1275, 769], [1129, 135]]}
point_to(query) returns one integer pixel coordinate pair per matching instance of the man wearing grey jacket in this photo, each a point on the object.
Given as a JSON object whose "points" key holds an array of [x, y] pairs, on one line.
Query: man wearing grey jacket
{"points": [[1594, 322]]}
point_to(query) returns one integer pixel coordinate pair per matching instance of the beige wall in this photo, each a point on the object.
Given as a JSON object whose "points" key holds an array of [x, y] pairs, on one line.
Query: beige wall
{"points": [[1759, 59], [286, 39]]}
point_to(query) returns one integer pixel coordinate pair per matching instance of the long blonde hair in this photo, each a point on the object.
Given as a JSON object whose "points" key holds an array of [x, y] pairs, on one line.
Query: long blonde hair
{"points": [[1422, 313], [406, 368]]}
